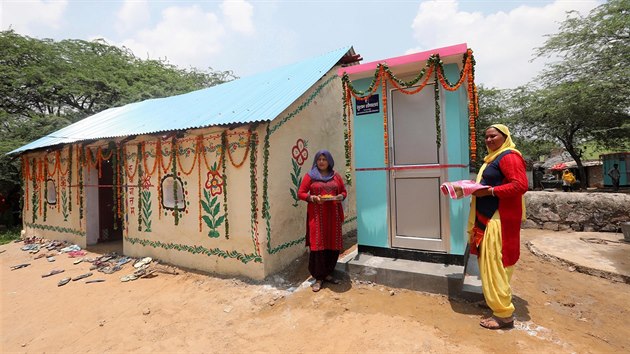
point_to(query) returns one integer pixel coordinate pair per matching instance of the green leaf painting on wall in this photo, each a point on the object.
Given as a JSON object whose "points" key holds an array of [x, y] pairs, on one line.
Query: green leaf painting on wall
{"points": [[212, 218]]}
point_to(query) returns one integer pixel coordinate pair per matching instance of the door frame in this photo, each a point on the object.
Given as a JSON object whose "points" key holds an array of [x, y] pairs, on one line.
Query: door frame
{"points": [[442, 244]]}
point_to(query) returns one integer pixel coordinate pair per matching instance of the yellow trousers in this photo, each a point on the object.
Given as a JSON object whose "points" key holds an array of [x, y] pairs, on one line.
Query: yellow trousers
{"points": [[495, 278]]}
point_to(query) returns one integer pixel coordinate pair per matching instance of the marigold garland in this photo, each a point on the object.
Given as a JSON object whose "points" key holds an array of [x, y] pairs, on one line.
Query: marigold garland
{"points": [[69, 172], [253, 141], [384, 99], [26, 178], [201, 150], [132, 176], [433, 66], [42, 205], [225, 146]]}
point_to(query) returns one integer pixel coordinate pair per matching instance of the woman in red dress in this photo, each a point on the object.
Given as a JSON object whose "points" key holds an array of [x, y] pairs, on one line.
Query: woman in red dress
{"points": [[494, 223], [323, 189]]}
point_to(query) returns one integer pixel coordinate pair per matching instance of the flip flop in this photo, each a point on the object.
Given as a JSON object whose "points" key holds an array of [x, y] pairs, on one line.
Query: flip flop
{"points": [[79, 277], [52, 272], [18, 266], [147, 273], [78, 261], [317, 286], [63, 282], [50, 259], [142, 262], [94, 281], [496, 323], [128, 277]]}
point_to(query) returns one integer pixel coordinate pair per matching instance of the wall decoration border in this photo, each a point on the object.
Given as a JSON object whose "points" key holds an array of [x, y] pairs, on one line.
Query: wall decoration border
{"points": [[305, 104], [245, 258], [56, 229]]}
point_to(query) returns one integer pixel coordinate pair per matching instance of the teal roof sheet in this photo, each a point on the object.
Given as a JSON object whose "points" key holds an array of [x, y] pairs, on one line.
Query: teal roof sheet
{"points": [[256, 98]]}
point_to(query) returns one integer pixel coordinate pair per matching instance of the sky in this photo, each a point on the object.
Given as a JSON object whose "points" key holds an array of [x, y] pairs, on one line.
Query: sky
{"points": [[253, 36]]}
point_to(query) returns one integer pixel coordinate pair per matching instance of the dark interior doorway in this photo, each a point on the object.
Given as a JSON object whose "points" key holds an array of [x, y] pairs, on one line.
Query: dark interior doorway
{"points": [[110, 226]]}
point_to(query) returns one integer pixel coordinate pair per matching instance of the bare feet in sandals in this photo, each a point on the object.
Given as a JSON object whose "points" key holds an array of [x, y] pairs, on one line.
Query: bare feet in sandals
{"points": [[317, 286], [495, 322]]}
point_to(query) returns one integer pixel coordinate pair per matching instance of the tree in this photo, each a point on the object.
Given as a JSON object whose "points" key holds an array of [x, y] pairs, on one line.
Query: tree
{"points": [[501, 106], [585, 96], [46, 85]]}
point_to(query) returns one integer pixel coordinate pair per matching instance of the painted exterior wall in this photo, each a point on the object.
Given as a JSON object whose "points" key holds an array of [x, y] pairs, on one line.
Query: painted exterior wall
{"points": [[239, 216], [53, 221], [314, 123]]}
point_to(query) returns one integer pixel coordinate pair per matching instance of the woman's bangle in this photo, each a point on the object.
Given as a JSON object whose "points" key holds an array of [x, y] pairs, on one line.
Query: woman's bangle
{"points": [[492, 191]]}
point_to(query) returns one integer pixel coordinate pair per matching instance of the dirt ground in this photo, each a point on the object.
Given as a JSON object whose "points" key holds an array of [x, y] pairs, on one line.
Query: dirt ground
{"points": [[557, 310]]}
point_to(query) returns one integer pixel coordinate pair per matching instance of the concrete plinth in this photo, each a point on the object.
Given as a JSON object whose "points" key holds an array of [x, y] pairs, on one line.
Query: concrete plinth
{"points": [[401, 273]]}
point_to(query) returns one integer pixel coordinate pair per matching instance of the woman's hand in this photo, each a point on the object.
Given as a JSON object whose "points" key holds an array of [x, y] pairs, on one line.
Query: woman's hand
{"points": [[316, 199], [483, 192], [339, 197]]}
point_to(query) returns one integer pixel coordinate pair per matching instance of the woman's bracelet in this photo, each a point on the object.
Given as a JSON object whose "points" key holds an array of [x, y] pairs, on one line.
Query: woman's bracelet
{"points": [[492, 191]]}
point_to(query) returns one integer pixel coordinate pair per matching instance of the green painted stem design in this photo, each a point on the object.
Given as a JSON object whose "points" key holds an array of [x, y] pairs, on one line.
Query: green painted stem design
{"points": [[64, 205], [145, 210], [212, 209], [56, 229], [296, 178], [245, 258]]}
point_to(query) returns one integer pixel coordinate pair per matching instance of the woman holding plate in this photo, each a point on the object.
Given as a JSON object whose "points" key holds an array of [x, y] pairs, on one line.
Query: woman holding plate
{"points": [[323, 189]]}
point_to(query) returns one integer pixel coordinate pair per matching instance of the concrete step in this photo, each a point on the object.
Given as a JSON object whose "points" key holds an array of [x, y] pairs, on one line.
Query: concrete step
{"points": [[472, 279], [401, 273]]}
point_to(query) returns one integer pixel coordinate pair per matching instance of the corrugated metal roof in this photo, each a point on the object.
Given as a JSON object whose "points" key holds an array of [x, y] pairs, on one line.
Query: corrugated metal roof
{"points": [[260, 97]]}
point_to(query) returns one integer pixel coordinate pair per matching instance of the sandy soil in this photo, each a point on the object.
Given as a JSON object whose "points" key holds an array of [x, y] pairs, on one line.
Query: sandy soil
{"points": [[557, 311]]}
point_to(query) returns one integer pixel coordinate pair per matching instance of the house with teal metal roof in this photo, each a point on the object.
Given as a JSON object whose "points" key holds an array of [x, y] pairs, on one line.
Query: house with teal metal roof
{"points": [[205, 180]]}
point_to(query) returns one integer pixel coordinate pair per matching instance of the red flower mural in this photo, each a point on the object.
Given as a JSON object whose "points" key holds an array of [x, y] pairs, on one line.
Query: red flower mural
{"points": [[214, 182], [299, 152], [146, 182]]}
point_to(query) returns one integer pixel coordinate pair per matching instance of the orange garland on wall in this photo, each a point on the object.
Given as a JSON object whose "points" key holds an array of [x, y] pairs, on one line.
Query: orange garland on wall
{"points": [[382, 75]]}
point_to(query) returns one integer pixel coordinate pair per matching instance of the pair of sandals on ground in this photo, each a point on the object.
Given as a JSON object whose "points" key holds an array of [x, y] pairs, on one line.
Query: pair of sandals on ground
{"points": [[317, 285]]}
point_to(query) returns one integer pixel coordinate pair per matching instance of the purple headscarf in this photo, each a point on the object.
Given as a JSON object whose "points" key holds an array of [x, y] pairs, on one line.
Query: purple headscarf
{"points": [[314, 172]]}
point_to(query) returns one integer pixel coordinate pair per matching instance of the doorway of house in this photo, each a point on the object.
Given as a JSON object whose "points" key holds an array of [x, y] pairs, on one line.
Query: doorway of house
{"points": [[109, 224], [104, 228]]}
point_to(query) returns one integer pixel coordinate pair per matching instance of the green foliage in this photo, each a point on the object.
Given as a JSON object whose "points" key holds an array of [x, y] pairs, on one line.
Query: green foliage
{"points": [[584, 97], [46, 85], [498, 106], [8, 235]]}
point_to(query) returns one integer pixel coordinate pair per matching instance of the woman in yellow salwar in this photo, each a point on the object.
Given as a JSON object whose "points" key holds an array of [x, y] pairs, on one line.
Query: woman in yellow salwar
{"points": [[494, 223]]}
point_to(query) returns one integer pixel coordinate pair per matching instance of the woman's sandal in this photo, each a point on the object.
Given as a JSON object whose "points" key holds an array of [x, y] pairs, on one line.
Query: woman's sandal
{"points": [[496, 323], [332, 280], [317, 286]]}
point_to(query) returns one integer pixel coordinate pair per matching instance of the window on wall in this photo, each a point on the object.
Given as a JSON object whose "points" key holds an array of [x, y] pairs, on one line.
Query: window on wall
{"points": [[173, 193], [51, 192]]}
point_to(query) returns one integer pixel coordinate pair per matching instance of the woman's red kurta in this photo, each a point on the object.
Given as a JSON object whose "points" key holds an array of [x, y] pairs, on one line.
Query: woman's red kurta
{"points": [[324, 221], [510, 195]]}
